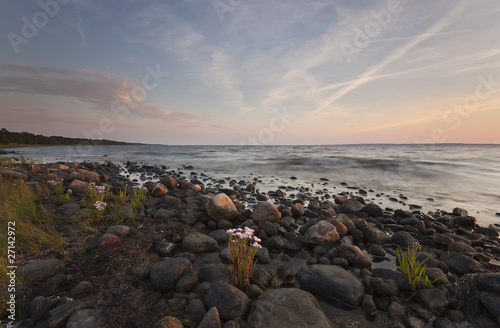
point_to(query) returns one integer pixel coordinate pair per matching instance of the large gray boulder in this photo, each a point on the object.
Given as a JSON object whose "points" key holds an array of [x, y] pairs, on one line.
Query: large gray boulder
{"points": [[333, 282], [165, 274], [197, 242], [221, 207], [460, 263], [40, 270], [287, 307], [231, 302]]}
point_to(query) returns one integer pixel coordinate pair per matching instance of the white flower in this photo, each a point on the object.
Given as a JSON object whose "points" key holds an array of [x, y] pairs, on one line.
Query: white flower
{"points": [[256, 245]]}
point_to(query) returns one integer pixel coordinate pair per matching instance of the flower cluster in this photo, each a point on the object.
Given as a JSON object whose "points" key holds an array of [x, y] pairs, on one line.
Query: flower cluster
{"points": [[99, 208], [64, 198], [57, 185], [243, 246], [96, 193]]}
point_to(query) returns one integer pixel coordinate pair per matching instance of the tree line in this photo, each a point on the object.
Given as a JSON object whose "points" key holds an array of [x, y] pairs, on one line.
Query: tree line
{"points": [[25, 138]]}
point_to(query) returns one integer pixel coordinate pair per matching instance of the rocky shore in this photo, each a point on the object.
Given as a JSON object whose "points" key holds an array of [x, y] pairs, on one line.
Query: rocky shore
{"points": [[328, 260]]}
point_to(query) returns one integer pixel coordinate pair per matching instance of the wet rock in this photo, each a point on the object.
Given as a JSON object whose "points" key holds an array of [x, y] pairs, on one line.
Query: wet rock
{"points": [[187, 282], [377, 250], [165, 274], [413, 322], [298, 210], [373, 210], [491, 302], [211, 319], [403, 239], [490, 282], [212, 273], [442, 322], [375, 236], [58, 317], [368, 305], [355, 256], [462, 248], [461, 264], [467, 222], [220, 235], [383, 287], [262, 256], [52, 285], [396, 310], [168, 322], [231, 302], [169, 182], [341, 228], [323, 233], [157, 190], [432, 299], [84, 318], [347, 222], [197, 242], [287, 307], [196, 311], [221, 207], [350, 206], [40, 270], [397, 276], [332, 282], [266, 211]]}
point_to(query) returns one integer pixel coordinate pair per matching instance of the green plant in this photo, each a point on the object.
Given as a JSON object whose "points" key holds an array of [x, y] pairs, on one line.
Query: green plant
{"points": [[413, 269], [43, 189], [137, 196], [33, 224], [243, 246], [96, 193], [57, 186], [64, 198], [122, 196]]}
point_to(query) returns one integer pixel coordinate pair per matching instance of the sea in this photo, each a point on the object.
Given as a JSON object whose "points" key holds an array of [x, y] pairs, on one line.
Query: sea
{"points": [[435, 177]]}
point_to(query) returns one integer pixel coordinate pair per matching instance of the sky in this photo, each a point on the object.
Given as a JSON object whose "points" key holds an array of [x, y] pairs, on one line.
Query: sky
{"points": [[252, 71]]}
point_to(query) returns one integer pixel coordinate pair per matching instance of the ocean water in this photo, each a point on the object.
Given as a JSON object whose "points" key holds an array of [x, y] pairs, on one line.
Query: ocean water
{"points": [[432, 176]]}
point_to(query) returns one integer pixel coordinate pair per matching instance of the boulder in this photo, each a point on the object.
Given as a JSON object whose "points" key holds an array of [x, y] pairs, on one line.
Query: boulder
{"points": [[165, 274], [490, 281], [40, 270], [350, 206], [168, 322], [231, 302], [375, 236], [84, 318], [211, 319], [287, 307], [158, 190], [14, 175], [403, 239], [323, 233], [373, 210], [333, 282], [432, 299], [266, 211], [461, 264], [58, 317], [221, 207], [79, 187], [197, 242], [355, 256]]}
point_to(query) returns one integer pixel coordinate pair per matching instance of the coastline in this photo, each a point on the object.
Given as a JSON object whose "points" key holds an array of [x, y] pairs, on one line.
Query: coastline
{"points": [[304, 238]]}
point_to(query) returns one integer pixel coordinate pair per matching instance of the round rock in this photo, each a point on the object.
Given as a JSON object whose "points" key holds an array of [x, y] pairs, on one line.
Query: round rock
{"points": [[165, 274], [266, 211], [221, 207]]}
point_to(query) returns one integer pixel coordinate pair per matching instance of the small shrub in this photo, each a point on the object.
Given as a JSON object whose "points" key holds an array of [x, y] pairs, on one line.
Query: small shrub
{"points": [[414, 270]]}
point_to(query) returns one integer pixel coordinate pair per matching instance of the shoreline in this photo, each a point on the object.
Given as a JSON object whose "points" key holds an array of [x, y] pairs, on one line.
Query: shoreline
{"points": [[310, 244]]}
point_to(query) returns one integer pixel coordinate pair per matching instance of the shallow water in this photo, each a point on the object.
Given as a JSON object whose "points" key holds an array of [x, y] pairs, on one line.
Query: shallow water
{"points": [[433, 176]]}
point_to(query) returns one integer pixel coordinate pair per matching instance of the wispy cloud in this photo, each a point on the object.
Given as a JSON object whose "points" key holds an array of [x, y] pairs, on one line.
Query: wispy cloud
{"points": [[99, 89]]}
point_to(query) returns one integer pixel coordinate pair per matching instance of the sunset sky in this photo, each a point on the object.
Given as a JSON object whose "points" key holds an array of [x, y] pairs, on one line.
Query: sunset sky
{"points": [[252, 71]]}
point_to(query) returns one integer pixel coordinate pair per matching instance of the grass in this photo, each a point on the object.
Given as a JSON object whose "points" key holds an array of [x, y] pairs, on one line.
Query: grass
{"points": [[414, 270], [33, 224]]}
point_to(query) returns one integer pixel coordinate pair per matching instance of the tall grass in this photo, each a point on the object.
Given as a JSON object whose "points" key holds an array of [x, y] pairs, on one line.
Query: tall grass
{"points": [[34, 225]]}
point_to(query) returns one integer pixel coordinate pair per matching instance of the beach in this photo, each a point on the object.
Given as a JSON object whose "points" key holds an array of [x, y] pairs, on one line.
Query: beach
{"points": [[165, 259]]}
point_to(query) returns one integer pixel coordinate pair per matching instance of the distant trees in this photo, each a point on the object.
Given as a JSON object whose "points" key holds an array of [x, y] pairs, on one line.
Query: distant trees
{"points": [[26, 138]]}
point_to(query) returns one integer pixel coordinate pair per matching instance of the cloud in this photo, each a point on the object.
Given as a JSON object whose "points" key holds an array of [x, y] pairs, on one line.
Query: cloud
{"points": [[100, 89]]}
